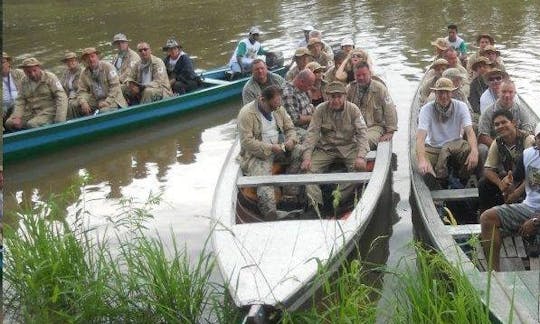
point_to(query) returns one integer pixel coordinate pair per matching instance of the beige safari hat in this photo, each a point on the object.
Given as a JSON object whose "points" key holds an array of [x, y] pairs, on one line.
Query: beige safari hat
{"points": [[444, 84], [453, 73], [315, 66], [490, 48], [29, 61], [6, 56], [302, 51], [88, 51], [438, 62], [313, 41], [68, 55], [479, 60], [120, 38], [441, 43], [335, 87]]}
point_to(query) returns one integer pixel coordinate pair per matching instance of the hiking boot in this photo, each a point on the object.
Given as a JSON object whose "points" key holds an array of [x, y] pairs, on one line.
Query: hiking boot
{"points": [[532, 246]]}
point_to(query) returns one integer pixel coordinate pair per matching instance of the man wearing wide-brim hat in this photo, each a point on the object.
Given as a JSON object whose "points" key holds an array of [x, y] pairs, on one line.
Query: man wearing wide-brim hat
{"points": [[70, 82], [316, 46], [435, 71], [12, 85], [180, 70], [441, 45], [480, 66], [347, 141], [494, 55], [125, 59], [99, 86], [41, 101], [302, 56], [482, 41], [439, 138]]}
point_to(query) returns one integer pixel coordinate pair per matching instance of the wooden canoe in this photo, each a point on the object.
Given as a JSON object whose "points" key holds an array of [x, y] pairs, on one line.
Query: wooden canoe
{"points": [[41, 140], [514, 292], [274, 264]]}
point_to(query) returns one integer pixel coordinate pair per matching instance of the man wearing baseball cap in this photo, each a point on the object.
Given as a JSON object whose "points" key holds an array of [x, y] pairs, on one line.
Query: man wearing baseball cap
{"points": [[41, 101], [344, 137], [439, 137], [520, 218], [246, 51], [182, 76], [125, 59]]}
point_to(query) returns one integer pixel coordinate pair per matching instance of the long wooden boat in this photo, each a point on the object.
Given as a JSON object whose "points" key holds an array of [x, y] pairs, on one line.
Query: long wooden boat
{"points": [[273, 265], [41, 140], [512, 295]]}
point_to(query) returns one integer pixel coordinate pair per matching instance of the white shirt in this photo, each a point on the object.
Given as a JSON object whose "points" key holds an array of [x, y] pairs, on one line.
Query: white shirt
{"points": [[269, 130], [487, 99], [9, 91], [531, 161], [439, 133]]}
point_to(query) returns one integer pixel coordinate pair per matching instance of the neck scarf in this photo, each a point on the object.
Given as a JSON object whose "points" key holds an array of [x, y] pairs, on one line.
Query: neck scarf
{"points": [[443, 113]]}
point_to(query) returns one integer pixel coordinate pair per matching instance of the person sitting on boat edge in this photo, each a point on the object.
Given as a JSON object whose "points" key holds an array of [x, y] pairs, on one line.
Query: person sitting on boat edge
{"points": [[438, 139], [99, 85], [506, 101], [125, 59], [494, 188], [41, 101], [260, 79], [337, 132], [518, 218], [297, 103], [180, 70], [377, 107], [246, 51], [302, 56], [148, 81], [267, 135], [11, 86], [70, 82]]}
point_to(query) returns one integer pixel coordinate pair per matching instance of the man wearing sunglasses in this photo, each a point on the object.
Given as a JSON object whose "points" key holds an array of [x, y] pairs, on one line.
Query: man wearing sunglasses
{"points": [[148, 81], [494, 78]]}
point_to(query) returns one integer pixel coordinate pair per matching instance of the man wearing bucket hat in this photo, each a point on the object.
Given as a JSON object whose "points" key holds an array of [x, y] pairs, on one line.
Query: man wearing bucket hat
{"points": [[148, 81], [441, 45], [337, 132], [125, 59], [478, 86], [179, 66], [70, 82], [457, 77], [494, 56], [260, 79], [12, 79], [99, 86], [439, 137], [316, 46], [327, 49], [302, 56], [494, 78], [246, 51], [41, 101], [317, 93], [432, 75], [519, 218], [375, 103]]}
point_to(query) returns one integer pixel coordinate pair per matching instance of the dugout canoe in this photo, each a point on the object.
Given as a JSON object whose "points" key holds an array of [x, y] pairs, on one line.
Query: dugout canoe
{"points": [[273, 265], [25, 143], [513, 294]]}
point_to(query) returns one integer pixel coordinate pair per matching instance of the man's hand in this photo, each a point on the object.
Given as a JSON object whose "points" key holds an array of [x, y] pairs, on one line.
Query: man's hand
{"points": [[528, 228], [425, 167], [103, 104], [16, 122], [289, 145], [85, 108], [472, 160], [306, 165], [360, 164], [276, 148], [134, 88], [386, 137]]}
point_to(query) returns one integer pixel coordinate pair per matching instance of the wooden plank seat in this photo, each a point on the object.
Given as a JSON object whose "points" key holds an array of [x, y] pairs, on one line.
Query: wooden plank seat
{"points": [[215, 81], [303, 179], [454, 194]]}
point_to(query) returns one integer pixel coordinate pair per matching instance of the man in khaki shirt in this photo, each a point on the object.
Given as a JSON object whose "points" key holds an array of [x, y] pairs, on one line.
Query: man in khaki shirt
{"points": [[41, 101], [337, 132], [375, 103]]}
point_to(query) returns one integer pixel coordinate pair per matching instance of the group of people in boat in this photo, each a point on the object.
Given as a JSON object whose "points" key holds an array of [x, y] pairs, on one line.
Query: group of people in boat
{"points": [[329, 108], [472, 124], [33, 97]]}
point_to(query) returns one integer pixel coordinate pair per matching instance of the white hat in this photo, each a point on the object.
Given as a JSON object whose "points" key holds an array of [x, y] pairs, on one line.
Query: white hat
{"points": [[537, 129], [254, 30], [347, 41], [308, 28]]}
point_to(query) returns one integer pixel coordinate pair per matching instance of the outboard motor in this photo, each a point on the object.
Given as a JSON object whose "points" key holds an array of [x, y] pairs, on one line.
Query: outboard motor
{"points": [[274, 60]]}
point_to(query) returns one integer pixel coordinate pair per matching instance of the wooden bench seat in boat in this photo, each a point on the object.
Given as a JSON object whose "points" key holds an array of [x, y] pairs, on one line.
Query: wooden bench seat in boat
{"points": [[454, 194]]}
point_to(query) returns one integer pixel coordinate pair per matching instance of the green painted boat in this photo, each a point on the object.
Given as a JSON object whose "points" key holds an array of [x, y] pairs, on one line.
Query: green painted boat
{"points": [[32, 142]]}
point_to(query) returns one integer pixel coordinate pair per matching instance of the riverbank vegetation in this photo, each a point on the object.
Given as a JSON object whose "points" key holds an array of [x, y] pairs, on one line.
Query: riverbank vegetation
{"points": [[57, 271]]}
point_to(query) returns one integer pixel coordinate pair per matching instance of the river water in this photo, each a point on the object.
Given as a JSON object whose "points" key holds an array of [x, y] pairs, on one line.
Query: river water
{"points": [[181, 157]]}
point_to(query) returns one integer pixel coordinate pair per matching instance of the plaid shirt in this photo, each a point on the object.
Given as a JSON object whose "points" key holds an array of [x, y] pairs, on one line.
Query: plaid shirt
{"points": [[296, 103]]}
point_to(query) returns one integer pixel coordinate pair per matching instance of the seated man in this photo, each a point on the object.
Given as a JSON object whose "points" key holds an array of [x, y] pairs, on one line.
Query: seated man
{"points": [[438, 137], [302, 56], [125, 58], [148, 81], [337, 132], [12, 85], [41, 101], [346, 45], [441, 46], [494, 56], [456, 42], [246, 51], [260, 79], [432, 75], [376, 105], [70, 82], [480, 66], [330, 74], [506, 101], [99, 86], [518, 218], [260, 125], [327, 49], [315, 46], [503, 154], [494, 78], [482, 41], [297, 102], [179, 66]]}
